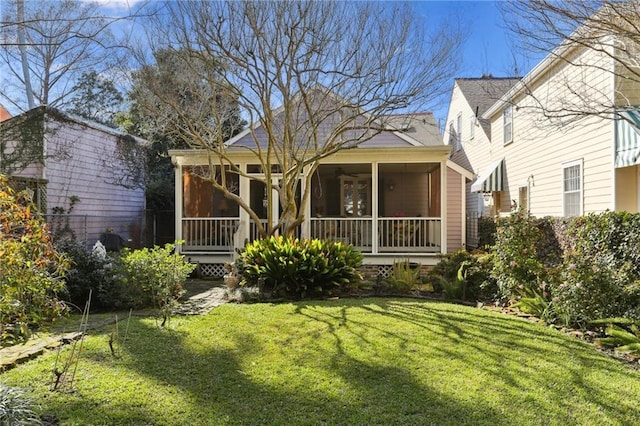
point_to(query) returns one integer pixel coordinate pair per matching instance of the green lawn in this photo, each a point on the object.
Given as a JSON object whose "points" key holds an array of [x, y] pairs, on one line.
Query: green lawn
{"points": [[352, 362]]}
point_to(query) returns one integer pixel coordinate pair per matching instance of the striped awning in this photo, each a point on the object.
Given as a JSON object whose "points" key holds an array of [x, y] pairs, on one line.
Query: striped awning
{"points": [[491, 179], [628, 138]]}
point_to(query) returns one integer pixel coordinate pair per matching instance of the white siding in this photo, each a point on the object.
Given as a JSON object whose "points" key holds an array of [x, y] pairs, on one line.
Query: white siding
{"points": [[81, 162], [541, 145]]}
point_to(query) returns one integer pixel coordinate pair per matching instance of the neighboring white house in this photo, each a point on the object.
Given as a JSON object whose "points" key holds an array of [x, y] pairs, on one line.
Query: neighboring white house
{"points": [[395, 196], [469, 134], [72, 158], [564, 163]]}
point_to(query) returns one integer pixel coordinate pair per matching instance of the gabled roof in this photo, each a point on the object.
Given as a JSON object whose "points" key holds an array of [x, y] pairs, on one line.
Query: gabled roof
{"points": [[69, 117], [483, 92], [420, 126]]}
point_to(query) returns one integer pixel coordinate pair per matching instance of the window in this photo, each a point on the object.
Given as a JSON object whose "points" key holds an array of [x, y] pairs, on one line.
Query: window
{"points": [[459, 132], [507, 124], [356, 196], [572, 188]]}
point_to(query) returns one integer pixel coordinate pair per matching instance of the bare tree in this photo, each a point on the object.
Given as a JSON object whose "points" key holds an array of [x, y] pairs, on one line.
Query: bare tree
{"points": [[609, 30], [310, 78], [57, 42]]}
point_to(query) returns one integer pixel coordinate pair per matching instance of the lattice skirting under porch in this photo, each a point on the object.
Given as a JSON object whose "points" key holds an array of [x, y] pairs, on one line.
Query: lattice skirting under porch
{"points": [[217, 270], [213, 270]]}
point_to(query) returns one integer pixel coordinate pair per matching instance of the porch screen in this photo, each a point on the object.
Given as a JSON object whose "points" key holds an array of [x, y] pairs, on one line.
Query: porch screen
{"points": [[200, 199]]}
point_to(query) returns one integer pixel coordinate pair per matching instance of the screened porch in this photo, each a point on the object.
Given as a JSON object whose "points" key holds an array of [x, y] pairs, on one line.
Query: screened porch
{"points": [[380, 208]]}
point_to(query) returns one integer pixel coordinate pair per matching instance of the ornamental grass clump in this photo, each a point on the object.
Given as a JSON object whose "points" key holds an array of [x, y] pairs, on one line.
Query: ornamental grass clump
{"points": [[15, 408], [297, 269]]}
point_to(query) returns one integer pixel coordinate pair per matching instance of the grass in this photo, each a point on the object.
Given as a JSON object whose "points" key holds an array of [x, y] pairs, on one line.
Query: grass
{"points": [[352, 362]]}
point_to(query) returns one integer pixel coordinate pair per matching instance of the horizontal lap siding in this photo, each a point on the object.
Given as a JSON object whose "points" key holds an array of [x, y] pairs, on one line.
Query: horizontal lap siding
{"points": [[454, 215], [84, 164], [540, 147], [475, 154]]}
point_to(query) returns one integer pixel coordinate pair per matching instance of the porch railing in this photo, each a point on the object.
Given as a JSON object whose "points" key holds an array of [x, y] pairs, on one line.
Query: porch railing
{"points": [[350, 230], [209, 233], [409, 234]]}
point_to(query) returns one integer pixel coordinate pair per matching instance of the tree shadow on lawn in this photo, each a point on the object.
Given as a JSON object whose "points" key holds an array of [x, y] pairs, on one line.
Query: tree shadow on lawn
{"points": [[524, 360], [218, 388], [346, 372]]}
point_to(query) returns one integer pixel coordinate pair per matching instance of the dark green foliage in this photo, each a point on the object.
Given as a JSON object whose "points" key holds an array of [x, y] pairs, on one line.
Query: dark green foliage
{"points": [[96, 98], [486, 231], [464, 276], [101, 275], [526, 256], [601, 272], [296, 269]]}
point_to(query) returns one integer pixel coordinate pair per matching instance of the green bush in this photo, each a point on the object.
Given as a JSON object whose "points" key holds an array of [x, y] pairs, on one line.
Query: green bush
{"points": [[160, 273], [298, 269], [601, 272], [464, 276], [31, 270], [404, 276], [486, 231], [100, 273], [526, 256]]}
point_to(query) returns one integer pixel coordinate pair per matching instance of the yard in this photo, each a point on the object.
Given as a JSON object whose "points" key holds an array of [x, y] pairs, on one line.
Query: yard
{"points": [[364, 361]]}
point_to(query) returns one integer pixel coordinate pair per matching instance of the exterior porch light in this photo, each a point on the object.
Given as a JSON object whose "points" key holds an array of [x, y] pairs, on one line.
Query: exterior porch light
{"points": [[486, 196]]}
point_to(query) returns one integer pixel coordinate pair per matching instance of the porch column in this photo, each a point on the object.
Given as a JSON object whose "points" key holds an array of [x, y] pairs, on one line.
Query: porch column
{"points": [[178, 202], [443, 207], [245, 221], [306, 224], [374, 207], [275, 211]]}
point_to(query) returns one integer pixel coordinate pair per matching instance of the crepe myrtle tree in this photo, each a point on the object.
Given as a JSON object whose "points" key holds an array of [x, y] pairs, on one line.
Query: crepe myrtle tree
{"points": [[610, 29], [311, 79]]}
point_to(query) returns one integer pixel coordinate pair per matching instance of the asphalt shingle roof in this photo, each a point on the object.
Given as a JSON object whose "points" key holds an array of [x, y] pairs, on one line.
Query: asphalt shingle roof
{"points": [[482, 92]]}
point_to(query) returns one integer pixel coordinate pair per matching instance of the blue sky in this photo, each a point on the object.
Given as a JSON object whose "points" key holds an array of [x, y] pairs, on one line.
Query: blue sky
{"points": [[487, 50]]}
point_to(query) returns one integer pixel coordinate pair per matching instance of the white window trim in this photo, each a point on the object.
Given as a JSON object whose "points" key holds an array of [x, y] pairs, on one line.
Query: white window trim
{"points": [[565, 166], [504, 140]]}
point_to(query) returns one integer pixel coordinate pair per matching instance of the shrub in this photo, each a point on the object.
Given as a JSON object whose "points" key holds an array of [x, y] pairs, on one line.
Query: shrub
{"points": [[31, 270], [160, 273], [601, 272], [99, 272], [464, 276], [298, 269], [526, 256], [15, 408], [404, 276], [486, 231]]}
